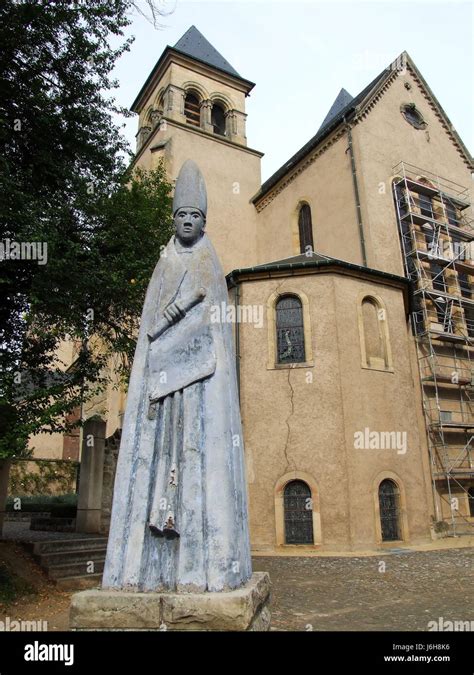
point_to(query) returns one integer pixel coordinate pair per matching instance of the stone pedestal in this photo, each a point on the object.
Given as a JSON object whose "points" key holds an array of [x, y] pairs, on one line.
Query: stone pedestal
{"points": [[245, 609]]}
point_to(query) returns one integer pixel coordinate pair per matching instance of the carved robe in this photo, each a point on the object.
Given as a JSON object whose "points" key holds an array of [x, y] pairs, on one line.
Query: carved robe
{"points": [[181, 454]]}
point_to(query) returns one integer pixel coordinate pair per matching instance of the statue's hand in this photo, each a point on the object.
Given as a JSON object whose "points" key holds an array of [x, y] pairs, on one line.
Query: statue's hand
{"points": [[174, 312]]}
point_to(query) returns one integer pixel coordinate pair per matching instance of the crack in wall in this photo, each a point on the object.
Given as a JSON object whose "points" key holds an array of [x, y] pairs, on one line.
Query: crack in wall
{"points": [[287, 421]]}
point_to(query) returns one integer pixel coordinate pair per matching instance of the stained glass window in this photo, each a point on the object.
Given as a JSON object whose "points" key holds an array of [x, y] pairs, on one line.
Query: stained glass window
{"points": [[389, 501], [298, 513], [290, 330]]}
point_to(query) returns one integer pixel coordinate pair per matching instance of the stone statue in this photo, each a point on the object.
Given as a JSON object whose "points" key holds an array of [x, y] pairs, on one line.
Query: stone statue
{"points": [[179, 515]]}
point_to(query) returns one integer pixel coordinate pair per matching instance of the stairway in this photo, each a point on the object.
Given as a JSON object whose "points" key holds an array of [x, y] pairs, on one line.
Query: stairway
{"points": [[72, 564]]}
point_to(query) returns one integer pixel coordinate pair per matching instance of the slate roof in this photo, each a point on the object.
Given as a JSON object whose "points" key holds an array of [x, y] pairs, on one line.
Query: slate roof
{"points": [[342, 99], [315, 260], [194, 44], [328, 125], [296, 260]]}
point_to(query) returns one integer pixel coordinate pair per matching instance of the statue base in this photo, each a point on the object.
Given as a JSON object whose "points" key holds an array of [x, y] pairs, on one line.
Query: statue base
{"points": [[244, 609]]}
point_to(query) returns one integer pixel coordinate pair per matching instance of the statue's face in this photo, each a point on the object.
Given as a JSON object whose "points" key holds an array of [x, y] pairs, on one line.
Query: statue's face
{"points": [[189, 223]]}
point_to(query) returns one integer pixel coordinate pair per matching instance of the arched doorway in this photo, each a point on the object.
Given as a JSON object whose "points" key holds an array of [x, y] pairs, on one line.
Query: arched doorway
{"points": [[298, 512], [389, 503]]}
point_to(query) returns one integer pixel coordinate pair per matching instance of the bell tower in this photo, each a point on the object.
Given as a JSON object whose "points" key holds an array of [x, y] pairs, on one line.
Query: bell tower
{"points": [[192, 106]]}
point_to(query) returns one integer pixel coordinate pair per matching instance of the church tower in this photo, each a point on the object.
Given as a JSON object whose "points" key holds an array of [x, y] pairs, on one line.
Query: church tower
{"points": [[192, 106]]}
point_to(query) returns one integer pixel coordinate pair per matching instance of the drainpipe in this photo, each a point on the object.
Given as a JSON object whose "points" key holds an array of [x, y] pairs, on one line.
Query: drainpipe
{"points": [[356, 194], [236, 286]]}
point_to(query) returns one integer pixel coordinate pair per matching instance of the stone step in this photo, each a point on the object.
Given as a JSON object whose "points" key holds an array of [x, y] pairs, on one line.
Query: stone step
{"points": [[52, 524], [74, 569], [63, 545], [63, 557], [78, 583]]}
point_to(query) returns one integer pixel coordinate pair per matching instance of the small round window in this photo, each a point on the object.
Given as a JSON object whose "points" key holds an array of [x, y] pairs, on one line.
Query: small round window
{"points": [[413, 116]]}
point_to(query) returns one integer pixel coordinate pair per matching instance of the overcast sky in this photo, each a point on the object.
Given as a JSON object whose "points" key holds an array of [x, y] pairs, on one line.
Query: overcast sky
{"points": [[300, 54]]}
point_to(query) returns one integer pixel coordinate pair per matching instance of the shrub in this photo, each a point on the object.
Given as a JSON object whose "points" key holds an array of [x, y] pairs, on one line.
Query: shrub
{"points": [[42, 503], [42, 477]]}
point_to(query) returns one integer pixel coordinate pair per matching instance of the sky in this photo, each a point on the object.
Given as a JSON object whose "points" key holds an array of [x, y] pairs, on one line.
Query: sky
{"points": [[300, 54]]}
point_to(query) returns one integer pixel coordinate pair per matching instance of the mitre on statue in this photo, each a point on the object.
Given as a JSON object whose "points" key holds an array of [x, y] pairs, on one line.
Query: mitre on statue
{"points": [[190, 190]]}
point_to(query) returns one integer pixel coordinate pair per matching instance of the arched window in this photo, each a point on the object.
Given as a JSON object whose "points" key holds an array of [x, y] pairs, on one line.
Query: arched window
{"points": [[218, 119], [298, 511], [426, 205], [438, 278], [389, 503], [470, 495], [452, 214], [375, 352], [305, 227], [290, 330], [192, 110]]}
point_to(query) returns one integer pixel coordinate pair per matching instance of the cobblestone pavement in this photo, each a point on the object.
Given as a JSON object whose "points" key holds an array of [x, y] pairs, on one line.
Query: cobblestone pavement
{"points": [[324, 594]]}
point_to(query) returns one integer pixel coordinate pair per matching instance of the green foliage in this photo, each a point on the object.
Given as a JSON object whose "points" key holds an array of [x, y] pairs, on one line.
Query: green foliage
{"points": [[42, 503], [47, 478], [63, 183]]}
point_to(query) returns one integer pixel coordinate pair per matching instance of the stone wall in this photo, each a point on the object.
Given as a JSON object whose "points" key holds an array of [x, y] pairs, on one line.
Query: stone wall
{"points": [[112, 445]]}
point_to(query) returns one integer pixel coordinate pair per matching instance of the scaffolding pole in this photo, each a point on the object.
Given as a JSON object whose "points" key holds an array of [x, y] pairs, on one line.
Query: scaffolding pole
{"points": [[434, 219]]}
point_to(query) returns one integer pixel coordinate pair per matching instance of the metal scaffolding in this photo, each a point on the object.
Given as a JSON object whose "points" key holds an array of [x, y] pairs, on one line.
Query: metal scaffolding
{"points": [[437, 241]]}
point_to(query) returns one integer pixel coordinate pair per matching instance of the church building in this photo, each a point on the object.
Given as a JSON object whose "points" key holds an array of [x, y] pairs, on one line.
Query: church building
{"points": [[350, 275]]}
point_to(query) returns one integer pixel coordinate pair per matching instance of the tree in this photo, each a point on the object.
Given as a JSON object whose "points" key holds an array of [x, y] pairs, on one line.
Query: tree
{"points": [[64, 184]]}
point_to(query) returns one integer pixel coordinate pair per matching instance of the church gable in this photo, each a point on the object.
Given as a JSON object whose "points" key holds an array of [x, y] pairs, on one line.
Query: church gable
{"points": [[355, 109], [418, 110]]}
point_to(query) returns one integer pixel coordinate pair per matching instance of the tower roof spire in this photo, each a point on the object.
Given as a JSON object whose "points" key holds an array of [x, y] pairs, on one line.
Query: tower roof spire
{"points": [[194, 44]]}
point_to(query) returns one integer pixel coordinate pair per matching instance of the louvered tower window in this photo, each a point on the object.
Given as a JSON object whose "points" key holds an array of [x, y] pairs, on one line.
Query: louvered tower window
{"points": [[192, 110], [218, 119]]}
